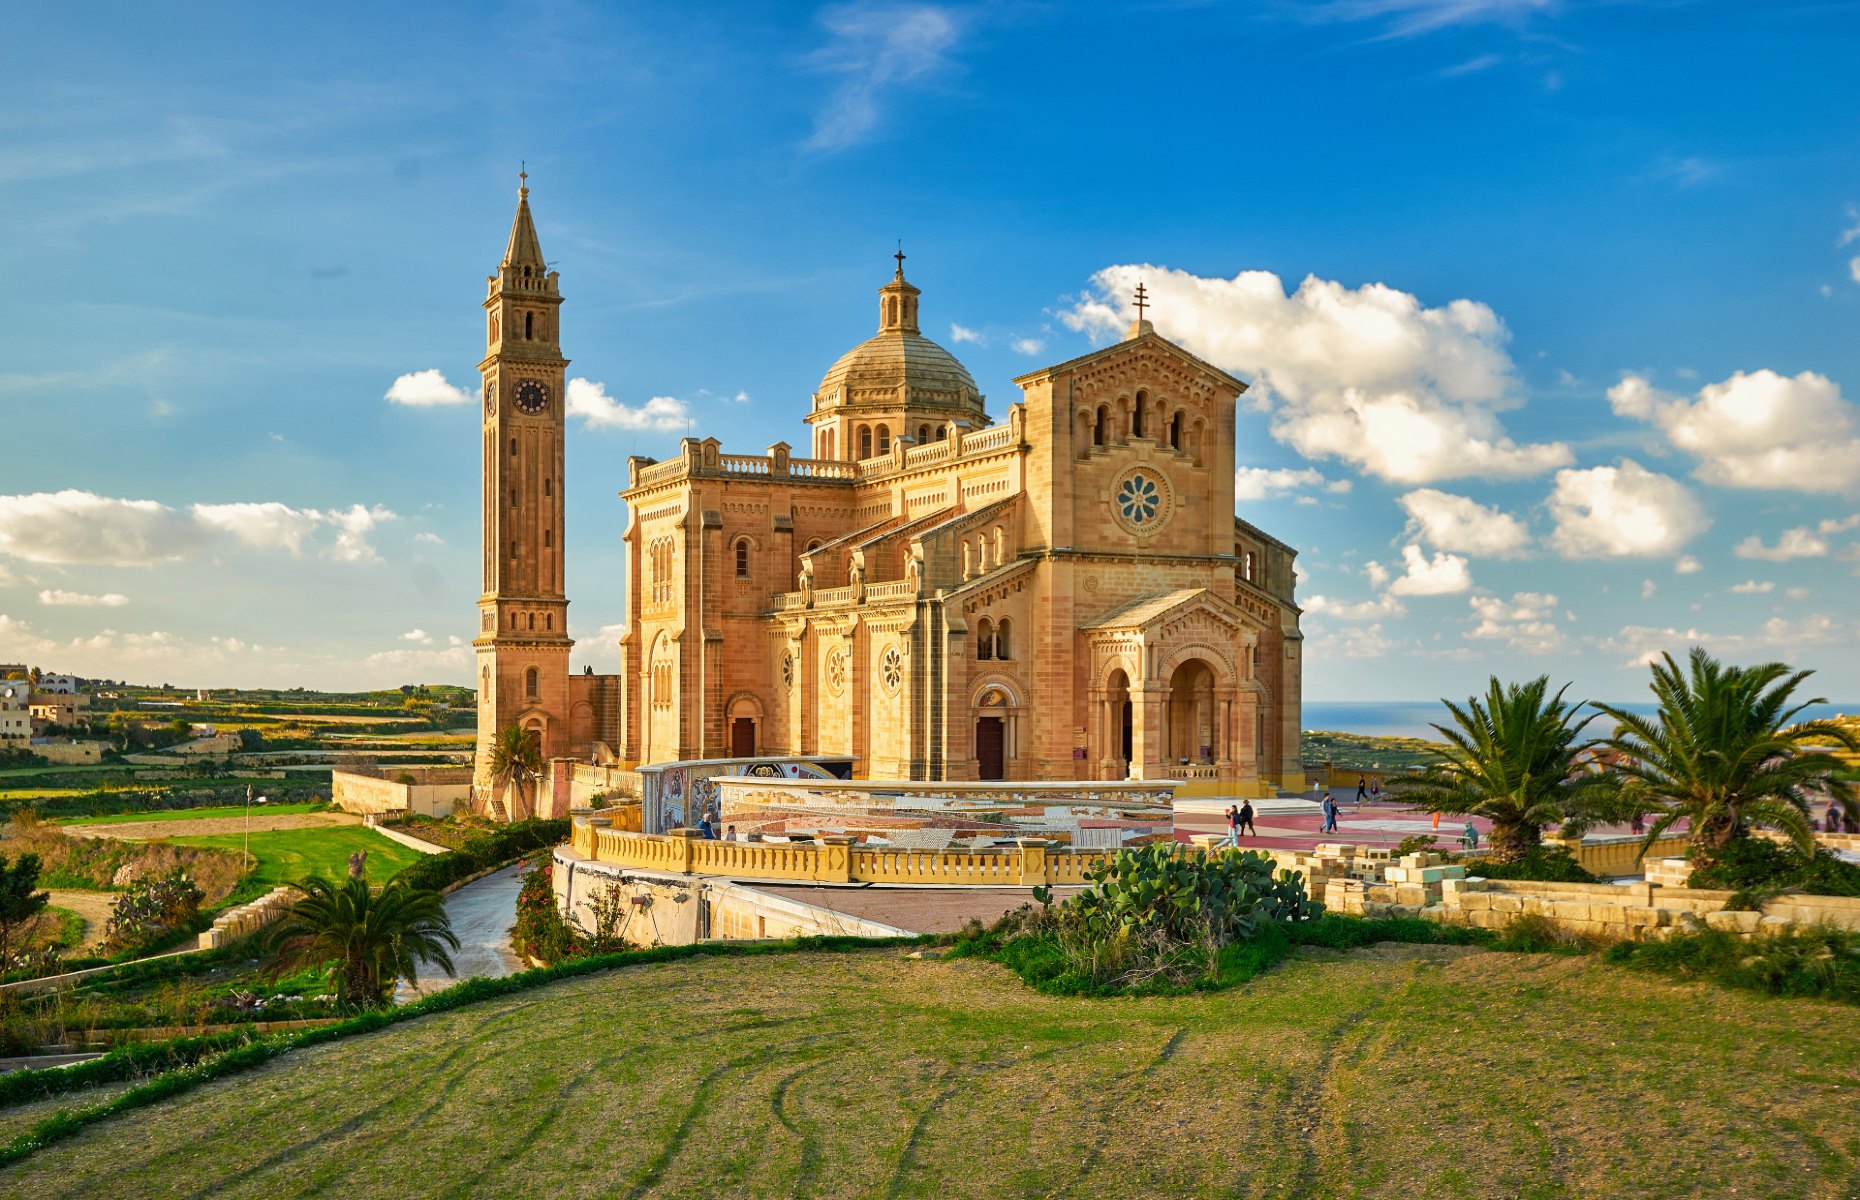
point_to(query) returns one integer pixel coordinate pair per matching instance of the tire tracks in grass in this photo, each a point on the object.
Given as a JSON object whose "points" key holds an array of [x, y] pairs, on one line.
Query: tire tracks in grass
{"points": [[1090, 1162], [414, 1080], [907, 1156], [810, 1146], [1306, 1108]]}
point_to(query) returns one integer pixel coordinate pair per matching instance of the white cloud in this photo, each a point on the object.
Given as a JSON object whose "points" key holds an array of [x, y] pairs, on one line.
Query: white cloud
{"points": [[1644, 644], [1798, 593], [1461, 524], [1647, 588], [1525, 623], [1442, 575], [1377, 573], [1685, 564], [417, 635], [431, 539], [81, 527], [876, 48], [426, 389], [962, 333], [451, 660], [58, 597], [1382, 606], [1027, 345], [1801, 542], [1757, 429], [1264, 483], [590, 401], [1411, 18], [1751, 587], [1623, 511], [1356, 642], [1366, 375]]}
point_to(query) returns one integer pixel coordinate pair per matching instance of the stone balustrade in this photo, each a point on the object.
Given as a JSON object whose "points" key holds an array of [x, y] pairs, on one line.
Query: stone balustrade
{"points": [[248, 919]]}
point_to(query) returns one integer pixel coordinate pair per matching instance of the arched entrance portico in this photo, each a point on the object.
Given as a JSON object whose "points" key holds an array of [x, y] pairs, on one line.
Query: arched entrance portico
{"points": [[996, 716]]}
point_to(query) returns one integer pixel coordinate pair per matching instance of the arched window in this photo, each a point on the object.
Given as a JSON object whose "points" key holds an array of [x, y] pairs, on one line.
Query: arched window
{"points": [[1246, 566], [942, 432], [1175, 432], [529, 683], [1000, 545], [1136, 414], [865, 441], [532, 620], [923, 434], [546, 490], [884, 439], [1001, 641], [528, 326], [813, 545], [1098, 426], [548, 620], [548, 538], [742, 558], [513, 447], [984, 640]]}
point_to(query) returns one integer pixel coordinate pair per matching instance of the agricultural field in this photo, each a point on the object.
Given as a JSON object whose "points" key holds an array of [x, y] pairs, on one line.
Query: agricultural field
{"points": [[1389, 1072], [283, 855], [1361, 752]]}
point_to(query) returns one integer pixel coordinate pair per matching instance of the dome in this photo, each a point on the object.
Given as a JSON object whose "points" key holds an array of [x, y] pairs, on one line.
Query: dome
{"points": [[899, 368]]}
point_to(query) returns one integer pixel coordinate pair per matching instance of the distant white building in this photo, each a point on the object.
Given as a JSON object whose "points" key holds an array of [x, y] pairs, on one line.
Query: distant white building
{"points": [[15, 714], [59, 685]]}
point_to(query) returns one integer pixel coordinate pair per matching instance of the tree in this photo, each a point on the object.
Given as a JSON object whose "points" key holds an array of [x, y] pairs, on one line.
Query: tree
{"points": [[20, 902], [1512, 760], [374, 937], [1725, 752], [516, 762]]}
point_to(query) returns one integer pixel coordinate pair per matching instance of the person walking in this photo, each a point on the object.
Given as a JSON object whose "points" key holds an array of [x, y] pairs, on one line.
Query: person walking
{"points": [[1329, 809], [1246, 821], [1362, 790], [1233, 826]]}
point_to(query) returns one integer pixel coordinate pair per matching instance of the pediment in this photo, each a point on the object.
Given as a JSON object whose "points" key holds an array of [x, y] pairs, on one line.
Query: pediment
{"points": [[1197, 610]]}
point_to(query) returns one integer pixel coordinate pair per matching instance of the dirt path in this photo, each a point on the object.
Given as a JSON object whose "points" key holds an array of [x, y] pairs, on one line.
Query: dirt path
{"points": [[94, 907], [143, 830]]}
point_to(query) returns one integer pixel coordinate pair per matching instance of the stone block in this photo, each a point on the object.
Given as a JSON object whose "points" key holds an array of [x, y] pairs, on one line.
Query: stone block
{"points": [[1734, 922], [1503, 903]]}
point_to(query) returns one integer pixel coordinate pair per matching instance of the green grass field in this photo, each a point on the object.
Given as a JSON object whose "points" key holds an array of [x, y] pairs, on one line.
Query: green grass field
{"points": [[217, 813], [1392, 1072], [286, 855]]}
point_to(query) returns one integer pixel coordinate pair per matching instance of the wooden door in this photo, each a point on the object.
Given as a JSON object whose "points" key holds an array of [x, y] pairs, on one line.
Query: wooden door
{"points": [[989, 747], [743, 737]]}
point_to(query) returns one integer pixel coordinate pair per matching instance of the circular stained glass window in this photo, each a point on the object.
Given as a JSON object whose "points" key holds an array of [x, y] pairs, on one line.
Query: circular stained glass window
{"points": [[787, 670], [892, 668], [836, 671], [1141, 501]]}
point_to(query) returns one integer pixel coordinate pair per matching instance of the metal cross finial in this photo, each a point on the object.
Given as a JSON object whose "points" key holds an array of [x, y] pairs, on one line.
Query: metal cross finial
{"points": [[1143, 301], [523, 173], [900, 257]]}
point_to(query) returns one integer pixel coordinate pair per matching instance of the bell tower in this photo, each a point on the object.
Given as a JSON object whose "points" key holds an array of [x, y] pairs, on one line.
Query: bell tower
{"points": [[523, 641]]}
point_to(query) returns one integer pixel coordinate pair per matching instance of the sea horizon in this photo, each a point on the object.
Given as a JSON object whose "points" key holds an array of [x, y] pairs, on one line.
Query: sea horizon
{"points": [[1415, 718]]}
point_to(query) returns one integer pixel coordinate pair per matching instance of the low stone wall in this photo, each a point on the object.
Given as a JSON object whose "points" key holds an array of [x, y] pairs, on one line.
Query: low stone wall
{"points": [[426, 791], [69, 753], [248, 919], [675, 911]]}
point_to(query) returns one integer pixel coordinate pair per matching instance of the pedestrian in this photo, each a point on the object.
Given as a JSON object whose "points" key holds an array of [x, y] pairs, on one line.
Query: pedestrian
{"points": [[1329, 809], [1638, 825], [1834, 823], [1470, 839], [1375, 791], [1362, 790], [1246, 820], [1232, 814], [704, 829], [729, 833]]}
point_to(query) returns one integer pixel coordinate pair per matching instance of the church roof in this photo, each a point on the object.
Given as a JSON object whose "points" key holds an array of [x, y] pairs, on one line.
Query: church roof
{"points": [[1142, 612], [1143, 333]]}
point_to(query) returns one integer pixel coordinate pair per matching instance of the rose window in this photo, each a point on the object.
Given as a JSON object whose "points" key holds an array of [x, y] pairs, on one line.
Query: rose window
{"points": [[787, 670], [891, 667], [1138, 500], [836, 670]]}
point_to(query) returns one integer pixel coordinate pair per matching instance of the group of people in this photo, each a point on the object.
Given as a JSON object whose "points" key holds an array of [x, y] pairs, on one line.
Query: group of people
{"points": [[1840, 822], [707, 829], [1240, 816]]}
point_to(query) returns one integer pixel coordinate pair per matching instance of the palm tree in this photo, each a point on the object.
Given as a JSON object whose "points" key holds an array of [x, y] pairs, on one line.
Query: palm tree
{"points": [[516, 761], [375, 937], [1725, 752], [1511, 760]]}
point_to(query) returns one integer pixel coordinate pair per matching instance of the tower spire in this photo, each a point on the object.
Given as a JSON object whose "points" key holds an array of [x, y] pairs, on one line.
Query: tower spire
{"points": [[897, 301], [524, 250]]}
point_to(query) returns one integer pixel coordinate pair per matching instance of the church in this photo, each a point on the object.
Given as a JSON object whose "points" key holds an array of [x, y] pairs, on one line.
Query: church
{"points": [[1061, 593]]}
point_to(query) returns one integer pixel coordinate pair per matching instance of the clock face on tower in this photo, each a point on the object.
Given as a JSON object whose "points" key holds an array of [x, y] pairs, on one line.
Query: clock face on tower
{"points": [[490, 397], [532, 397]]}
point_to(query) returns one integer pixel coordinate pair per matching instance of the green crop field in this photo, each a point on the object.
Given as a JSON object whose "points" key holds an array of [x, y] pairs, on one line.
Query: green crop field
{"points": [[1392, 1072], [286, 855], [218, 813]]}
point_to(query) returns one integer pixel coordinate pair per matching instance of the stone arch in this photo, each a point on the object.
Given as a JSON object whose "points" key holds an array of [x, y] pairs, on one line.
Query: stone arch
{"points": [[743, 724]]}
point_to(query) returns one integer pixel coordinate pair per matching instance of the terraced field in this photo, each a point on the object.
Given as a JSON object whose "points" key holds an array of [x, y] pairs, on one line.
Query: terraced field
{"points": [[1396, 1072]]}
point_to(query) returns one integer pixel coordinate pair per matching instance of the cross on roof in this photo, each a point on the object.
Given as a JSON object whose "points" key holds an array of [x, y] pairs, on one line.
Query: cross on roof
{"points": [[900, 256], [1143, 301], [523, 173]]}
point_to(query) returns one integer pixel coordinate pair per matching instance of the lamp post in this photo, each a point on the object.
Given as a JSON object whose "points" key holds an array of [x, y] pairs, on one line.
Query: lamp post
{"points": [[248, 824]]}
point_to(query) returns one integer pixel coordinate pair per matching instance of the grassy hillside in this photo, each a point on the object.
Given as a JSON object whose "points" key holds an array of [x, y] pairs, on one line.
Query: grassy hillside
{"points": [[1389, 1073]]}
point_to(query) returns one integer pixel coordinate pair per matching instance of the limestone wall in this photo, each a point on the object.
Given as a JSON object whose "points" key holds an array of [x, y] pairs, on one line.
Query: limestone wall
{"points": [[69, 753], [432, 792]]}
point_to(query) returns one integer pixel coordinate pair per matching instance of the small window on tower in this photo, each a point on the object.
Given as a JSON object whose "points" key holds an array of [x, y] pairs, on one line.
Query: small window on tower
{"points": [[528, 321], [546, 490], [742, 558], [548, 535], [884, 439], [529, 682], [513, 447]]}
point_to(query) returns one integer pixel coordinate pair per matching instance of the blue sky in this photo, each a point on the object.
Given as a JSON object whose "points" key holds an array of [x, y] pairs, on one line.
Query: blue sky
{"points": [[1549, 308]]}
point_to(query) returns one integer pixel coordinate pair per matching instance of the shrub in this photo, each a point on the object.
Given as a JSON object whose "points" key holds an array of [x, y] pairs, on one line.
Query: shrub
{"points": [[1821, 961], [540, 934], [1543, 865], [482, 851], [1761, 868], [153, 908]]}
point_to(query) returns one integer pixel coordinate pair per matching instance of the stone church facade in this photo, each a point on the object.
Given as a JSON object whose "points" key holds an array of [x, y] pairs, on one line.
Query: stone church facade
{"points": [[1060, 594]]}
